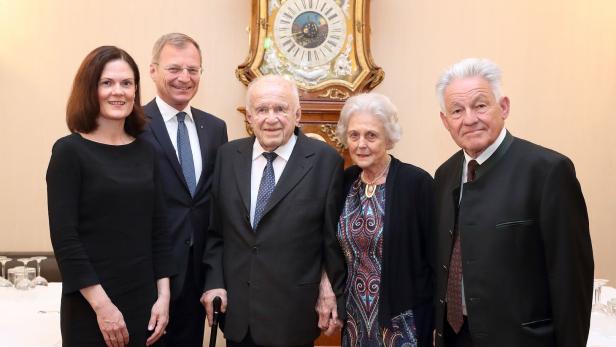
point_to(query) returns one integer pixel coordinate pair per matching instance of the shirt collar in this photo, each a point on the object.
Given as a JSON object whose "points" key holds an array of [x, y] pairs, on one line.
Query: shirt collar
{"points": [[485, 155], [168, 111], [283, 151]]}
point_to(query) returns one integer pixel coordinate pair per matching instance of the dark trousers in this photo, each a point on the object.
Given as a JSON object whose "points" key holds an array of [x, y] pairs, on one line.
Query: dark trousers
{"points": [[461, 339], [248, 342], [186, 313]]}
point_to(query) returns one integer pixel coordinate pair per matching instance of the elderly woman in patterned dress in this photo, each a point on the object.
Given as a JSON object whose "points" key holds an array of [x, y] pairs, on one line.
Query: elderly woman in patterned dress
{"points": [[385, 232]]}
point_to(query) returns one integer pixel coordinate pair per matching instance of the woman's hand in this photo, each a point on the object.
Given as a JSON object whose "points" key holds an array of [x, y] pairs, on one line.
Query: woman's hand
{"points": [[112, 325], [110, 319], [326, 307], [159, 317]]}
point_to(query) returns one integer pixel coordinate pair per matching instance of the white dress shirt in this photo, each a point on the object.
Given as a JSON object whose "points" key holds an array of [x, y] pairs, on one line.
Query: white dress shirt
{"points": [[258, 164], [171, 122], [485, 155]]}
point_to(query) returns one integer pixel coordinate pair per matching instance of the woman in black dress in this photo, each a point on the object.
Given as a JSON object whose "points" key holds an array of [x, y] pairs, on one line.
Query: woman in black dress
{"points": [[105, 213]]}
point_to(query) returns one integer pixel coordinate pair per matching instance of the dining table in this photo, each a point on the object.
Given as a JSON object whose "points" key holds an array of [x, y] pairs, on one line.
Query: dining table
{"points": [[31, 318], [603, 324]]}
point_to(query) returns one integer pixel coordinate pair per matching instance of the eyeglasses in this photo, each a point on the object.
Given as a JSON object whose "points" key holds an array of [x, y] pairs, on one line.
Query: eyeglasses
{"points": [[277, 110], [176, 70]]}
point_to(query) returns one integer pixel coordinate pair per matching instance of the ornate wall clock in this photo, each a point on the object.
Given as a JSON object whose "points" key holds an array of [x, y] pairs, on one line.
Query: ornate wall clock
{"points": [[324, 45]]}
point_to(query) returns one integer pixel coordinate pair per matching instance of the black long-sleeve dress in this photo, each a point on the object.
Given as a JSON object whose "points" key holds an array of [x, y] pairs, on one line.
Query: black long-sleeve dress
{"points": [[107, 228]]}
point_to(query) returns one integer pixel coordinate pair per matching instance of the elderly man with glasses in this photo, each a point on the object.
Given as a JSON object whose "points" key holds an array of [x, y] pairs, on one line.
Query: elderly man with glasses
{"points": [[276, 198]]}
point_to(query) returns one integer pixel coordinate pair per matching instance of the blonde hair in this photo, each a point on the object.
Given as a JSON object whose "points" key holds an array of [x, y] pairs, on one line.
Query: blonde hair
{"points": [[177, 40]]}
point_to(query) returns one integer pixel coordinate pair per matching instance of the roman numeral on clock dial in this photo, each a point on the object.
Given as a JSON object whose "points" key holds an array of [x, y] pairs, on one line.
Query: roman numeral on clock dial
{"points": [[310, 33]]}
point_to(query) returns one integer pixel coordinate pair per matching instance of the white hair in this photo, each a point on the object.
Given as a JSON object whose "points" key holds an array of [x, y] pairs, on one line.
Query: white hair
{"points": [[377, 105], [282, 79], [470, 67]]}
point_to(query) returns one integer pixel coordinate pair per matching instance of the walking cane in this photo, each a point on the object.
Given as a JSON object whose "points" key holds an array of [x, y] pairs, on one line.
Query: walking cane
{"points": [[216, 303]]}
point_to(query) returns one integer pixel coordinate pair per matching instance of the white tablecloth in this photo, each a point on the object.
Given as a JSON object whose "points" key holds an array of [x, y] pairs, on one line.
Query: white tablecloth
{"points": [[602, 326], [30, 318]]}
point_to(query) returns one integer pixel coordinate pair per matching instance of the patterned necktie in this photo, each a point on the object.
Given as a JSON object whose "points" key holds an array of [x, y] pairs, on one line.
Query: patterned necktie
{"points": [[268, 182], [185, 154], [454, 281]]}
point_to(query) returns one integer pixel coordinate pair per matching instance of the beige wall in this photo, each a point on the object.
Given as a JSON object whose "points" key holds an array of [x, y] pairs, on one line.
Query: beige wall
{"points": [[559, 59]]}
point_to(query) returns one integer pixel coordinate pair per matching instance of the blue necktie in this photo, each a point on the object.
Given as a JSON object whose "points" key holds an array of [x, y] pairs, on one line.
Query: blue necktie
{"points": [[185, 154], [268, 182]]}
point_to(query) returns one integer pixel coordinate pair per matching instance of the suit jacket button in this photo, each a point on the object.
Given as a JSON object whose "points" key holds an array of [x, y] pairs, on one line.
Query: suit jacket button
{"points": [[444, 267], [255, 250], [450, 232], [441, 301], [248, 283], [187, 242]]}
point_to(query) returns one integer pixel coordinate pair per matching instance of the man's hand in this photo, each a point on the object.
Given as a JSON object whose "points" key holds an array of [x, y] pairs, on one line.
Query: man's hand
{"points": [[334, 325], [208, 297], [326, 307]]}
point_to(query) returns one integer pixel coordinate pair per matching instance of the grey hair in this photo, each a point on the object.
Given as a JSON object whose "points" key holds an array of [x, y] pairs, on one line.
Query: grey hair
{"points": [[375, 104], [470, 67], [177, 40], [277, 79]]}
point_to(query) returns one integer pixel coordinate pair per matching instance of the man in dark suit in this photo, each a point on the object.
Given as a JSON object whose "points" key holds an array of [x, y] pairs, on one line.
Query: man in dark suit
{"points": [[513, 243], [186, 140], [276, 199]]}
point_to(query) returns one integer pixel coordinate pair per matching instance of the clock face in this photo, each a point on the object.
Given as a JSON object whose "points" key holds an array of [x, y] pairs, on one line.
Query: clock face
{"points": [[323, 45], [310, 33]]}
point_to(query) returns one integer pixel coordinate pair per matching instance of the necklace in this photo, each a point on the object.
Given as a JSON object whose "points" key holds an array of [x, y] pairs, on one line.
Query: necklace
{"points": [[371, 186]]}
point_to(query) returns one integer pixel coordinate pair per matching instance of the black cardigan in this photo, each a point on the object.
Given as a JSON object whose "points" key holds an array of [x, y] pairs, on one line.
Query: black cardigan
{"points": [[407, 267]]}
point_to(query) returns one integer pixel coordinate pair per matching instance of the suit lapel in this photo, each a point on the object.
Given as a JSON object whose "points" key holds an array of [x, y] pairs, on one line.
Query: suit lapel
{"points": [[204, 138], [299, 165], [242, 167], [159, 130]]}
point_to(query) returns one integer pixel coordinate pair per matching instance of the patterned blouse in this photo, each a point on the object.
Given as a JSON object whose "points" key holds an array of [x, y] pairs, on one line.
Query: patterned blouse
{"points": [[360, 232]]}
